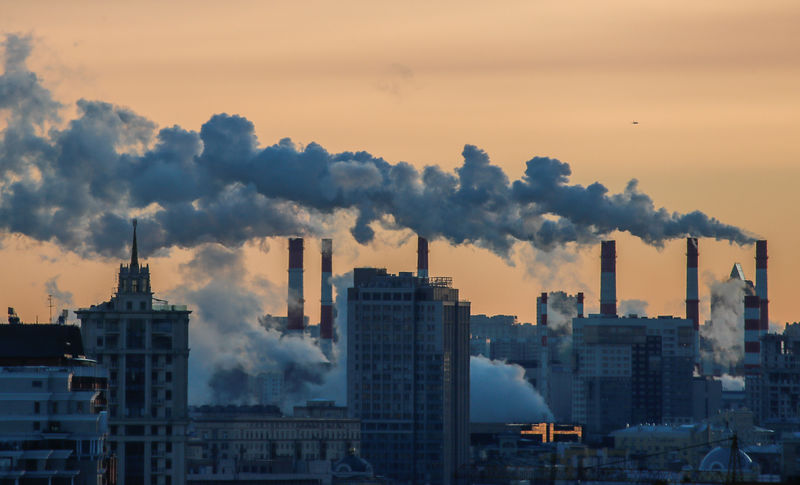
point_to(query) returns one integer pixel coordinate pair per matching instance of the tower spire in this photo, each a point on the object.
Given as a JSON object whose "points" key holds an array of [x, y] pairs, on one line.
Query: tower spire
{"points": [[134, 249]]}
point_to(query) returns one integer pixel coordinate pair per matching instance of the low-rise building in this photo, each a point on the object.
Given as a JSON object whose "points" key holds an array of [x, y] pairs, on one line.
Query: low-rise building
{"points": [[258, 443]]}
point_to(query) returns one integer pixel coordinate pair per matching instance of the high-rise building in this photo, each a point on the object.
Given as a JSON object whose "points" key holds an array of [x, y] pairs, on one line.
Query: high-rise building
{"points": [[631, 370], [144, 342], [53, 422], [408, 374]]}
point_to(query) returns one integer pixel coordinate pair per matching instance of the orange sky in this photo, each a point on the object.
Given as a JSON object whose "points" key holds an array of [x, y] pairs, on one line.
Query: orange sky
{"points": [[714, 85]]}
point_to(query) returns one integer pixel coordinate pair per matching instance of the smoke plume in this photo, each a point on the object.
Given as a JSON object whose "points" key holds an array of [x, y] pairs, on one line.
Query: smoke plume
{"points": [[490, 379], [230, 349], [78, 183], [633, 307], [725, 331]]}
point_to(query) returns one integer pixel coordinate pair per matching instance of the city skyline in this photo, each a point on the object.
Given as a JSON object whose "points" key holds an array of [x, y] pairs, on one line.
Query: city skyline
{"points": [[575, 100]]}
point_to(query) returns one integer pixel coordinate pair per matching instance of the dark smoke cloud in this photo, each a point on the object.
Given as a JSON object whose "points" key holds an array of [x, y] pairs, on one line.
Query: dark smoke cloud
{"points": [[78, 185]]}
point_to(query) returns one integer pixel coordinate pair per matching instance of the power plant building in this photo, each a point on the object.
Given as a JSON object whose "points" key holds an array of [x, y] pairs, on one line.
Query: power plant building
{"points": [[408, 373], [630, 370], [144, 343]]}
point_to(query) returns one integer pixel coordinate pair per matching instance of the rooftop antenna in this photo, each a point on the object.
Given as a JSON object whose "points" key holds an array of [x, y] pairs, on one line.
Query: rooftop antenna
{"points": [[134, 249], [50, 305]]}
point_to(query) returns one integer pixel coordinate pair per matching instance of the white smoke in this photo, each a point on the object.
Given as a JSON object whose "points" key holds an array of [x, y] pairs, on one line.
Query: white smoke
{"points": [[725, 331], [499, 393], [633, 307], [731, 383]]}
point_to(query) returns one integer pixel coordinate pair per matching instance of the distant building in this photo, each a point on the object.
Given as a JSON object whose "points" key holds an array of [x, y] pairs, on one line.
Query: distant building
{"points": [[408, 373], [144, 342], [631, 370], [779, 379], [258, 444], [664, 447], [53, 422]]}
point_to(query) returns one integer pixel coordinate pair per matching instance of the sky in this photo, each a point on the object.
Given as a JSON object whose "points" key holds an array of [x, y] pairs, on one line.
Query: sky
{"points": [[714, 86]]}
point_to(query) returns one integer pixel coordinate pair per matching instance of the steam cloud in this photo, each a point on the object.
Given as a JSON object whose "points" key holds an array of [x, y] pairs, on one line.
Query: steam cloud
{"points": [[490, 379], [78, 185], [725, 332]]}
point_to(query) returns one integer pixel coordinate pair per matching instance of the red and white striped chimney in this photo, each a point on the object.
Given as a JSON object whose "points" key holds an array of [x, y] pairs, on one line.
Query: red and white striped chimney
{"points": [[295, 301], [326, 299], [752, 325], [761, 286], [422, 257], [608, 278], [580, 304], [541, 304]]}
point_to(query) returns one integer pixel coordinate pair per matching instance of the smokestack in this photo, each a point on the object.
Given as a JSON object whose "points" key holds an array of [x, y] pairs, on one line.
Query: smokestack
{"points": [[326, 299], [692, 298], [752, 345], [580, 304], [295, 301], [422, 257], [608, 278], [541, 303], [692, 294], [761, 286]]}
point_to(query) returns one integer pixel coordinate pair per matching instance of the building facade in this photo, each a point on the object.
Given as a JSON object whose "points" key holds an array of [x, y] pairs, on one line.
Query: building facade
{"points": [[144, 343], [631, 370], [53, 422], [257, 443], [779, 377], [408, 374]]}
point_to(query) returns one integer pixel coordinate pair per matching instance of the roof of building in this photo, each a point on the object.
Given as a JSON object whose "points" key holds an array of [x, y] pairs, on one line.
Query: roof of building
{"points": [[21, 343]]}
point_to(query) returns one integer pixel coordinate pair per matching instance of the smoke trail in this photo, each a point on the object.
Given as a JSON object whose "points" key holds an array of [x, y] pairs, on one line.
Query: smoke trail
{"points": [[78, 184], [490, 379]]}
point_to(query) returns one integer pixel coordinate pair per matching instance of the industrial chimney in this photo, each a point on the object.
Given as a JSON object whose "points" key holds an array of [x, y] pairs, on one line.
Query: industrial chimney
{"points": [[326, 300], [608, 278], [422, 257], [761, 286], [692, 294], [580, 304], [295, 300], [541, 304], [752, 326]]}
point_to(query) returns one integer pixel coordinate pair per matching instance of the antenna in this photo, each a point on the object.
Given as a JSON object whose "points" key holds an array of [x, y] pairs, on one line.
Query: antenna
{"points": [[50, 305]]}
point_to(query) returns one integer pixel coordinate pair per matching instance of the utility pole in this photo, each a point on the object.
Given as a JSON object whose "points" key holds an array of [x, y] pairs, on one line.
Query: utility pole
{"points": [[50, 304]]}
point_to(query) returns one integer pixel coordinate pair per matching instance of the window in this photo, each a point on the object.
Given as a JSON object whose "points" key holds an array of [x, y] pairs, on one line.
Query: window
{"points": [[36, 383], [129, 305], [99, 341], [37, 407]]}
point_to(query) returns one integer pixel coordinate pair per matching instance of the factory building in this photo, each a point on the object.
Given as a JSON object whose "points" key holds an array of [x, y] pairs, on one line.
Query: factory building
{"points": [[144, 343], [408, 372], [53, 421], [630, 370]]}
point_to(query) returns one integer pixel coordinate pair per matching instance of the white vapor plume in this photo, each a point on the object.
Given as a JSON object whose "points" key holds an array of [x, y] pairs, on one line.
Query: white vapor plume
{"points": [[499, 393]]}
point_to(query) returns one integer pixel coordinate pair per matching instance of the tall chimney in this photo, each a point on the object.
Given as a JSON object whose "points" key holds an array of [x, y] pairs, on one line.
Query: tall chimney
{"points": [[580, 304], [752, 326], [295, 301], [541, 303], [326, 299], [422, 257], [692, 294], [761, 286], [608, 278]]}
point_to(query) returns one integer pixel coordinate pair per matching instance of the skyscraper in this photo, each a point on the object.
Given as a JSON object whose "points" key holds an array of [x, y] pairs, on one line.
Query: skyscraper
{"points": [[408, 374], [144, 342]]}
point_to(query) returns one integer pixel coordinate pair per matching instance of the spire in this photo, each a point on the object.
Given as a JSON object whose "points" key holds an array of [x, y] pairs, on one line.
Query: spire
{"points": [[134, 249]]}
